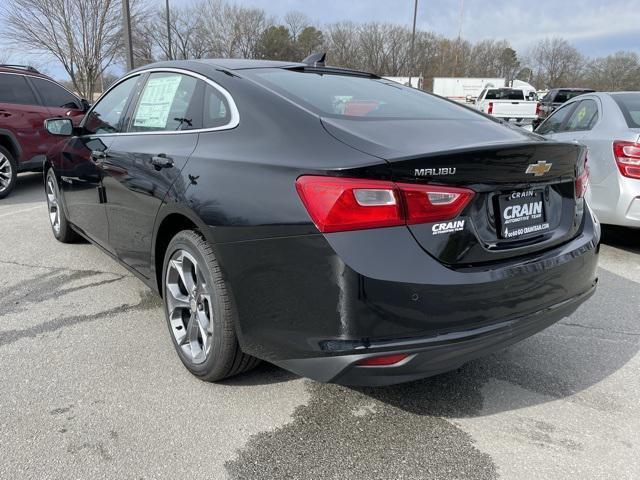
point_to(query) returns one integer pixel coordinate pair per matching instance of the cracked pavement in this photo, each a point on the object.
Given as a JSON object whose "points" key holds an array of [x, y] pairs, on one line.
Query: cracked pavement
{"points": [[91, 387]]}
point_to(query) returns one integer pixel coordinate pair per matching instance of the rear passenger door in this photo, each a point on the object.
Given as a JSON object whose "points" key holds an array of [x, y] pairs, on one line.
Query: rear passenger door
{"points": [[22, 117], [144, 162], [554, 124], [579, 122]]}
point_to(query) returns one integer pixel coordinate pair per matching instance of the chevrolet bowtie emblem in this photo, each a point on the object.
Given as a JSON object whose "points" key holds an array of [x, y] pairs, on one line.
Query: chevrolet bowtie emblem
{"points": [[540, 168]]}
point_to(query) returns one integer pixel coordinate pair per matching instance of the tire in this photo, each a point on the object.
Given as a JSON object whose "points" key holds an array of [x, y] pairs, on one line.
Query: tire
{"points": [[200, 314], [59, 224], [8, 172]]}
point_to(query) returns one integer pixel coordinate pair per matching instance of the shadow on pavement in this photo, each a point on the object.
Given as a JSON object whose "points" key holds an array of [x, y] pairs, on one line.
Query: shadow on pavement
{"points": [[264, 374], [624, 238], [29, 189]]}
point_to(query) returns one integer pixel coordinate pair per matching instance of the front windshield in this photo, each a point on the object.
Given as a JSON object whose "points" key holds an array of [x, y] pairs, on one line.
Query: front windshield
{"points": [[337, 95]]}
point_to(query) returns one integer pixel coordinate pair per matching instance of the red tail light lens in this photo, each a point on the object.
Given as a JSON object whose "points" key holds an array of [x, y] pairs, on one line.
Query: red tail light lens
{"points": [[383, 361], [431, 203], [627, 158], [342, 204], [538, 109], [490, 109], [582, 181]]}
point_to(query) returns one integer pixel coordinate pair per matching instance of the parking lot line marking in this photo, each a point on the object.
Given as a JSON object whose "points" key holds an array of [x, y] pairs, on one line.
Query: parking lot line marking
{"points": [[20, 211]]}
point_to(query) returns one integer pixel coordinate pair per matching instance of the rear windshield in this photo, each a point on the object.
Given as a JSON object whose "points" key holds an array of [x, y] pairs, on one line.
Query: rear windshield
{"points": [[340, 96], [504, 94], [629, 103], [566, 95]]}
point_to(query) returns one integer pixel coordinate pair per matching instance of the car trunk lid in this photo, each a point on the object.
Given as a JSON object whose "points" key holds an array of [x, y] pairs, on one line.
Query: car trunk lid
{"points": [[525, 187]]}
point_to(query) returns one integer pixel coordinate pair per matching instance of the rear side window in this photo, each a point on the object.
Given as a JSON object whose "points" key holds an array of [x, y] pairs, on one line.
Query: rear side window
{"points": [[106, 115], [505, 94], [166, 104], [54, 95], [553, 124], [629, 103], [15, 89], [216, 108], [354, 97], [584, 117]]}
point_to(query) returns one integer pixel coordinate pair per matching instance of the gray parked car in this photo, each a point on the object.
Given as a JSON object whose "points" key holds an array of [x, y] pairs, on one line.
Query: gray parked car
{"points": [[609, 125]]}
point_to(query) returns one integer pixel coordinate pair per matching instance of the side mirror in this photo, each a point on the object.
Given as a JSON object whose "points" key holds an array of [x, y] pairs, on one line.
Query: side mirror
{"points": [[85, 105], [62, 127], [469, 99]]}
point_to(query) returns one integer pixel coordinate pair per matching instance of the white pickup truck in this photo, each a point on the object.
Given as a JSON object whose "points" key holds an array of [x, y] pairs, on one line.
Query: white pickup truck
{"points": [[508, 104]]}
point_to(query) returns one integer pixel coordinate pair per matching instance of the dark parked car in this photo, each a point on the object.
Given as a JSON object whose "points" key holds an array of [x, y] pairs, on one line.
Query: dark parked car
{"points": [[27, 98], [342, 226], [555, 98]]}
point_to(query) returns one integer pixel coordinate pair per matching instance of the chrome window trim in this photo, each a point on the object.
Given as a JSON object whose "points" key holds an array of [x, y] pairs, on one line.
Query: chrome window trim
{"points": [[48, 80], [234, 121]]}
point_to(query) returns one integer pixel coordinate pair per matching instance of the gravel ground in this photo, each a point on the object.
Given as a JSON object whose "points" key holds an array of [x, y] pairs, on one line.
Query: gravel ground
{"points": [[91, 387]]}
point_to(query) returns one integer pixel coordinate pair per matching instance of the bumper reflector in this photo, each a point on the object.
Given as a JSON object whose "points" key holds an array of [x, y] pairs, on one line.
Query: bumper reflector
{"points": [[382, 361]]}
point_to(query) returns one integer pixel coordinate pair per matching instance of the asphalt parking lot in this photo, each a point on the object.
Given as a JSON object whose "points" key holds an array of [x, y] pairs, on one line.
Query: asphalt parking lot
{"points": [[91, 387]]}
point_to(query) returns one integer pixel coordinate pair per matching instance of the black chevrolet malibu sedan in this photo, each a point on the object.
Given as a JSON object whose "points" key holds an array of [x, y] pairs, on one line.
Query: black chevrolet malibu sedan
{"points": [[340, 225]]}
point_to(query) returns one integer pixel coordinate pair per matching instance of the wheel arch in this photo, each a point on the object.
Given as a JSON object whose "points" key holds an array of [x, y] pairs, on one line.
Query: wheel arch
{"points": [[8, 141], [168, 224]]}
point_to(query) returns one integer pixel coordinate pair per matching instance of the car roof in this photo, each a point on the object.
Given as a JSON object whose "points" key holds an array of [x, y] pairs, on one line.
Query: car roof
{"points": [[241, 63], [22, 71], [574, 89], [202, 65]]}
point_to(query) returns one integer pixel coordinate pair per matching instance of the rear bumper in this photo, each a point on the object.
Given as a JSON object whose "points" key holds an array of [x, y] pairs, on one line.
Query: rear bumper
{"points": [[317, 304], [617, 201], [433, 355]]}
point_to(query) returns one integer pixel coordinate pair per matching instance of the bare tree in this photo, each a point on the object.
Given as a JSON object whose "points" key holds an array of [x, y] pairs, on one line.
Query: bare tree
{"points": [[233, 31], [296, 22], [555, 63], [342, 43], [620, 71], [188, 35], [371, 46], [83, 35], [250, 23]]}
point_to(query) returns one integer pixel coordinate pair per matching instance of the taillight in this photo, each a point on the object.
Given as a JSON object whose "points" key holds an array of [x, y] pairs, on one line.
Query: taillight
{"points": [[582, 180], [538, 109], [490, 109], [627, 158], [431, 203], [341, 204]]}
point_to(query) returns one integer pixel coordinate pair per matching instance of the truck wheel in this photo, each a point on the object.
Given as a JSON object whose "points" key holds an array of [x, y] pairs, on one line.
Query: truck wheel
{"points": [[8, 172], [199, 311]]}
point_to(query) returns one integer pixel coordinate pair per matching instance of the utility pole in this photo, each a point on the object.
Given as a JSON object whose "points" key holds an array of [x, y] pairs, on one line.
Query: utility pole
{"points": [[170, 54], [459, 41], [128, 45], [413, 40]]}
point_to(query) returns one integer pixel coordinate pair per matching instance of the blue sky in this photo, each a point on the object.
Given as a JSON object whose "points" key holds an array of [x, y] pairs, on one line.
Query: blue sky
{"points": [[595, 27]]}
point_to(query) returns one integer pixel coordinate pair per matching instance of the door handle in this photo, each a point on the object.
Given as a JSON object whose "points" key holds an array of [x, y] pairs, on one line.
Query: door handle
{"points": [[161, 161], [97, 156], [4, 113]]}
